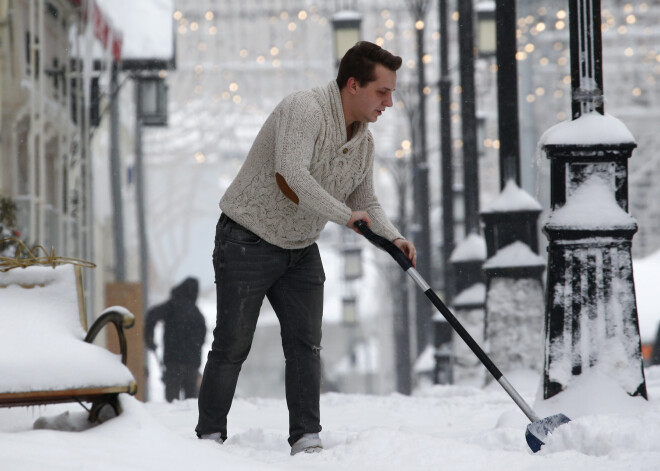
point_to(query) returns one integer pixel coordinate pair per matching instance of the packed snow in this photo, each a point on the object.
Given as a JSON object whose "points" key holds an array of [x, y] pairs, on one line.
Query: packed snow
{"points": [[454, 427], [51, 339], [440, 427], [517, 254], [513, 198], [592, 206], [473, 247], [590, 128]]}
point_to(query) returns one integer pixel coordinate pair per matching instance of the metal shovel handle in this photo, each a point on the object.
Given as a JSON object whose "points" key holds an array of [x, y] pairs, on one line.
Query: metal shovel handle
{"points": [[403, 261]]}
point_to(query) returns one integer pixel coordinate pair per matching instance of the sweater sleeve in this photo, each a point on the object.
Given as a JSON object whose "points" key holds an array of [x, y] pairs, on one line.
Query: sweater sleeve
{"points": [[298, 128], [364, 198]]}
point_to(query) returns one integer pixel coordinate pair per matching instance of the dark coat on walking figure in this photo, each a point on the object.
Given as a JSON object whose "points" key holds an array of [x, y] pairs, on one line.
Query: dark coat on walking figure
{"points": [[184, 333]]}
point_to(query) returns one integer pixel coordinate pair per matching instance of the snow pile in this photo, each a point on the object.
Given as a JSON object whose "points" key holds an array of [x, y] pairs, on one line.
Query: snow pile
{"points": [[442, 427], [513, 198], [474, 295], [589, 129], [592, 206], [41, 339], [473, 247], [606, 421], [517, 254], [515, 321]]}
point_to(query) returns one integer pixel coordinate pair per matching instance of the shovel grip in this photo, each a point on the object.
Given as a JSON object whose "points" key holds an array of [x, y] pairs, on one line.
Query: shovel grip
{"points": [[386, 245]]}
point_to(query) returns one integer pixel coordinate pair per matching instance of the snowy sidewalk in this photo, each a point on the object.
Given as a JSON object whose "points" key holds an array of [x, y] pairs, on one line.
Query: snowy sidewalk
{"points": [[443, 428]]}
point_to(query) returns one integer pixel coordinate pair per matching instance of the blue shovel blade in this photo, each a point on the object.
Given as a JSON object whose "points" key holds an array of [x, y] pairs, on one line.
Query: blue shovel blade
{"points": [[537, 432]]}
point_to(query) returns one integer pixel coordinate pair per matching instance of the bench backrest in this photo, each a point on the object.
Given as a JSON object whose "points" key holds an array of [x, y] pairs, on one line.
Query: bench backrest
{"points": [[27, 292]]}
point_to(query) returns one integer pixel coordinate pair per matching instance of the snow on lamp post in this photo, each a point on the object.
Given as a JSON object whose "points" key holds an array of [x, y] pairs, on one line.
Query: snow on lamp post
{"points": [[591, 312], [514, 286], [467, 259]]}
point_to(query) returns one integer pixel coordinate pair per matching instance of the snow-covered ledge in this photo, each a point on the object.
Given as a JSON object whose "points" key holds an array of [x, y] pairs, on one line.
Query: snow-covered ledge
{"points": [[588, 130]]}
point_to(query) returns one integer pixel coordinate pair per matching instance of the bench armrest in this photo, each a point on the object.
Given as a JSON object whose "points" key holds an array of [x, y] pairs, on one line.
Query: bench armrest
{"points": [[121, 318]]}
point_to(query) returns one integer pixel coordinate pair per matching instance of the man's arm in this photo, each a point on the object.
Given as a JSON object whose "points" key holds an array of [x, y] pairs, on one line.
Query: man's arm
{"points": [[364, 198], [298, 128]]}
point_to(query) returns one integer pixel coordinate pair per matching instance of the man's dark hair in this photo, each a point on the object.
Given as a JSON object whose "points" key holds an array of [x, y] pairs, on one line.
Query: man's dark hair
{"points": [[360, 62]]}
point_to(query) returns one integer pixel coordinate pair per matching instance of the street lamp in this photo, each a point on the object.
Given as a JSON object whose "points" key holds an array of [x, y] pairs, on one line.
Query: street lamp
{"points": [[151, 110], [352, 263], [481, 133], [152, 101], [349, 311], [486, 36], [346, 28]]}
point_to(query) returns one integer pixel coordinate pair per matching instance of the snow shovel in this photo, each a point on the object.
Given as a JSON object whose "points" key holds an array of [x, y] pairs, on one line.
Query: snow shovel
{"points": [[539, 429]]}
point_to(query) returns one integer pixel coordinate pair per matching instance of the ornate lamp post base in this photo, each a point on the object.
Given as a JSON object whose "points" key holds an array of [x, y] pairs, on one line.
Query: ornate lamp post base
{"points": [[591, 312]]}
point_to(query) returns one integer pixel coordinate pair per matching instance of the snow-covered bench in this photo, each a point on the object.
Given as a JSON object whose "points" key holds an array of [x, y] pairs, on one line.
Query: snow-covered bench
{"points": [[46, 351]]}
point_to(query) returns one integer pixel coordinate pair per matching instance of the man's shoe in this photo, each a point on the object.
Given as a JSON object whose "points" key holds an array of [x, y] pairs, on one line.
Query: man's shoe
{"points": [[216, 437], [309, 443]]}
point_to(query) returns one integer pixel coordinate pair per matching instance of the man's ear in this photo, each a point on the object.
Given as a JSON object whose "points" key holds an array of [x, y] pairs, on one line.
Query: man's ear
{"points": [[352, 85]]}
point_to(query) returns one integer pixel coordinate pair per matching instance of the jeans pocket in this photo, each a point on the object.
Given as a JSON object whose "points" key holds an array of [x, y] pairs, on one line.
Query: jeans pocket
{"points": [[234, 232]]}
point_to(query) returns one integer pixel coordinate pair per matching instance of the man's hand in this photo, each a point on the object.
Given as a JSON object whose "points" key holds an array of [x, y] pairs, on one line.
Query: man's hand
{"points": [[358, 216], [409, 249]]}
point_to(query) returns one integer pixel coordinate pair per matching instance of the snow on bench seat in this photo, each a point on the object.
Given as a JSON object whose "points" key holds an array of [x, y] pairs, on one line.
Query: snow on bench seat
{"points": [[42, 345]]}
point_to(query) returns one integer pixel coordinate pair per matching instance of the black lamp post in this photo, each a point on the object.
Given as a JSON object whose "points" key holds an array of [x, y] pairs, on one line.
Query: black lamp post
{"points": [[151, 110], [447, 164], [399, 168], [591, 312], [507, 92], [422, 229], [468, 115]]}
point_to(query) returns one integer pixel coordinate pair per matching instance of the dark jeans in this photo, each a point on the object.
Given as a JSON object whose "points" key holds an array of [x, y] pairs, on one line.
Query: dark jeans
{"points": [[247, 269], [180, 377]]}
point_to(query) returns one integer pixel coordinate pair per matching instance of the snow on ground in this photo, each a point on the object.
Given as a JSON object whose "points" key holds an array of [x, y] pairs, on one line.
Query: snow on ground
{"points": [[441, 427]]}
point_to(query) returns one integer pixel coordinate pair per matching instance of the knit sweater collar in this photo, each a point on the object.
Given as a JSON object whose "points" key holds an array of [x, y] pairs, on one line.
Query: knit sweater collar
{"points": [[359, 128]]}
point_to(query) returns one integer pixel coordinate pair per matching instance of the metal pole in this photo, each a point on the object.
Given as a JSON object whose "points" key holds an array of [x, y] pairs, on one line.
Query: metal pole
{"points": [[32, 131], [586, 57], [507, 92], [41, 198], [140, 191], [446, 166], [401, 315], [421, 181], [115, 176], [469, 121]]}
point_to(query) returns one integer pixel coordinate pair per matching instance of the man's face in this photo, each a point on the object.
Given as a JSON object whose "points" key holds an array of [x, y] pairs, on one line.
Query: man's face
{"points": [[373, 98]]}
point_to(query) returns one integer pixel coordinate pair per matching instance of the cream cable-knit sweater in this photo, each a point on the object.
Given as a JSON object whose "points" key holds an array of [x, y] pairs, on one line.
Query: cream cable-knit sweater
{"points": [[304, 140]]}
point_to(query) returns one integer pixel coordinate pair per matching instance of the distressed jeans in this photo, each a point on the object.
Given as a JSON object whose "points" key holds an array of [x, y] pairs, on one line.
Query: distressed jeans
{"points": [[247, 269]]}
